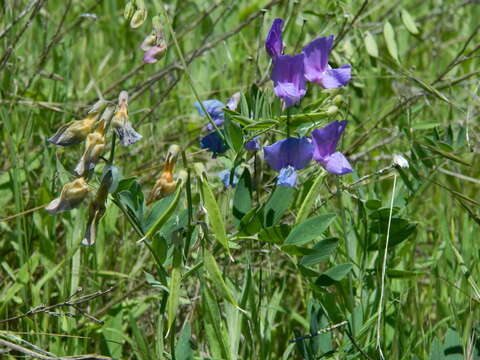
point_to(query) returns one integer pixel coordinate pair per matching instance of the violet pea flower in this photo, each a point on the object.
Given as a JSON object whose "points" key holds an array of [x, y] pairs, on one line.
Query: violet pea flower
{"points": [[286, 156], [214, 108], [274, 43], [287, 177], [317, 69], [213, 143], [288, 78], [224, 175], [252, 145], [325, 142]]}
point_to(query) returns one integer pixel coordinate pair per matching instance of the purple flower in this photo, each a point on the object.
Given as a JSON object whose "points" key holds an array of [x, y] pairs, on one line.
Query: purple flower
{"points": [[288, 78], [287, 177], [317, 69], [153, 54], [225, 177], [294, 152], [325, 142], [273, 43], [215, 110], [252, 145], [214, 143]]}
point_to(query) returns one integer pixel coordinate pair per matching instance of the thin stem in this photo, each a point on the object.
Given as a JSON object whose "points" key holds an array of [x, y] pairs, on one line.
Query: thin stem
{"points": [[384, 268], [185, 69]]}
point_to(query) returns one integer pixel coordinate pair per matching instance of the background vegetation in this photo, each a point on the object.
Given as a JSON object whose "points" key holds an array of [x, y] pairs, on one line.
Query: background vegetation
{"points": [[414, 92]]}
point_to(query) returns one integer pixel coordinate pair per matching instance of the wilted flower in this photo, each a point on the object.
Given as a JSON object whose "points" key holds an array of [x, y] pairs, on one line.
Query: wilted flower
{"points": [[165, 184], [288, 78], [317, 69], [94, 148], [291, 152], [74, 132], [273, 43], [71, 196], [122, 125], [97, 208], [225, 176], [287, 177], [214, 143], [252, 145], [325, 142]]}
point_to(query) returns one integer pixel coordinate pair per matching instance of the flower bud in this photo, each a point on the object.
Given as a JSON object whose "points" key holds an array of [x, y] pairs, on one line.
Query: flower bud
{"points": [[74, 132], [71, 196], [98, 107], [157, 23], [138, 18], [129, 10], [400, 161], [332, 110], [338, 100], [121, 124]]}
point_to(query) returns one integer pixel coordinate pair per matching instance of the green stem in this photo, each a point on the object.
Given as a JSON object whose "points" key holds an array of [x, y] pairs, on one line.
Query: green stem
{"points": [[185, 69]]}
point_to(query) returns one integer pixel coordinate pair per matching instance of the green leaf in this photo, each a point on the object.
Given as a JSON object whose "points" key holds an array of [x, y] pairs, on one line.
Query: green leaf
{"points": [[333, 275], [213, 270], [214, 215], [277, 204], [274, 234], [242, 200], [183, 350], [233, 134], [322, 250], [402, 274], [371, 44], [162, 219], [425, 125], [173, 295], [309, 200], [409, 22], [297, 250], [389, 36], [214, 322], [309, 229]]}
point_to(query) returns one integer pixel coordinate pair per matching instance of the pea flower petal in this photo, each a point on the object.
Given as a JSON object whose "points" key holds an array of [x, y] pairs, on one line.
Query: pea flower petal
{"points": [[153, 54], [294, 152], [74, 132], [273, 43], [317, 69], [232, 103], [214, 108], [214, 143], [325, 142], [224, 175], [252, 145], [288, 78], [287, 177], [121, 123]]}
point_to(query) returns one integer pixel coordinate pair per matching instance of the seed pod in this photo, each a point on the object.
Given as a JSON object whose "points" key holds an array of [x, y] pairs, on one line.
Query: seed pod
{"points": [[129, 10], [72, 195], [138, 18], [121, 124]]}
